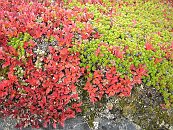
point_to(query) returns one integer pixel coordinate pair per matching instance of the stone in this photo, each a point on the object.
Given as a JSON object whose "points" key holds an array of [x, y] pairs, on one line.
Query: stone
{"points": [[79, 123]]}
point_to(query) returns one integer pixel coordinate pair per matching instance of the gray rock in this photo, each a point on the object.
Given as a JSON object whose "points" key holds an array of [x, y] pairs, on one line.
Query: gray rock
{"points": [[79, 123], [71, 124], [122, 124], [7, 124]]}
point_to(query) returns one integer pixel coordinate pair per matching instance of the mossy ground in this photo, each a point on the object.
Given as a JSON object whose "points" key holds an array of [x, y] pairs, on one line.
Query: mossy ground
{"points": [[144, 108]]}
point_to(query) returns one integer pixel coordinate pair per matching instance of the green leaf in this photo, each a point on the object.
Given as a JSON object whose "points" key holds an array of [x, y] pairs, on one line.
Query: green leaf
{"points": [[93, 68]]}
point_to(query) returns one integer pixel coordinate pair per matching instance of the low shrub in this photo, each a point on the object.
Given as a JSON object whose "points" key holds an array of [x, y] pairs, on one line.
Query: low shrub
{"points": [[48, 47], [132, 34]]}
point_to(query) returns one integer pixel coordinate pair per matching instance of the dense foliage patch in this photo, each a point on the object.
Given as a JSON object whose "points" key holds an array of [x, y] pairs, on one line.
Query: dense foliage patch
{"points": [[133, 34], [47, 48]]}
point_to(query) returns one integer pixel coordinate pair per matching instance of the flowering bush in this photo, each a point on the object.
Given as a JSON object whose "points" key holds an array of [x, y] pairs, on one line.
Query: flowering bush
{"points": [[47, 47]]}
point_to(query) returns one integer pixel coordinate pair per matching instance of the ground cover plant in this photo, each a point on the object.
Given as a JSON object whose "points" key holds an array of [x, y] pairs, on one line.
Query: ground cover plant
{"points": [[56, 54]]}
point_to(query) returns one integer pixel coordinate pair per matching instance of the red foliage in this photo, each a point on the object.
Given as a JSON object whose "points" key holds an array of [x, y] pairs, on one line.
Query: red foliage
{"points": [[149, 46], [48, 94], [111, 83]]}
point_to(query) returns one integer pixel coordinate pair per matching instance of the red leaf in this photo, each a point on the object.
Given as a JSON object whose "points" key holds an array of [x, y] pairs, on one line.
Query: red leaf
{"points": [[132, 67], [124, 94], [12, 94], [134, 22], [149, 46], [44, 100], [137, 79], [76, 105], [11, 77], [62, 119], [114, 80], [97, 74], [96, 35], [111, 93], [45, 124], [1, 53], [64, 51], [85, 36], [38, 32], [70, 113], [12, 51], [7, 62], [158, 60], [51, 108], [97, 52], [119, 54], [75, 96], [51, 49], [2, 94], [3, 84], [54, 125], [32, 81], [96, 81], [73, 88], [78, 110], [93, 99], [141, 71], [48, 90]]}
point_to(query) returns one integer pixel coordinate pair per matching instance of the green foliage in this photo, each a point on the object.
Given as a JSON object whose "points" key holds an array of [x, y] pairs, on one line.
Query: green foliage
{"points": [[18, 43], [133, 25]]}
